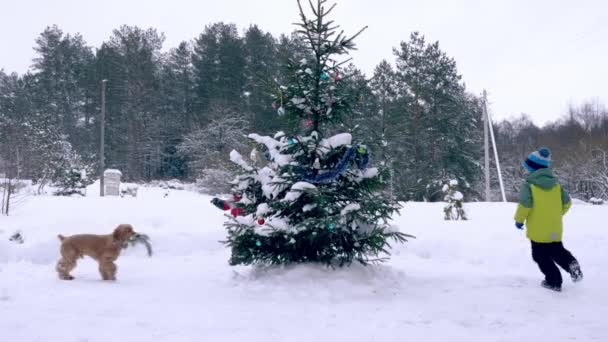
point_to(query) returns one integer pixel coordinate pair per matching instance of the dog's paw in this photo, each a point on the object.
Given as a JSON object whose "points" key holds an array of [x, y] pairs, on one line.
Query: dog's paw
{"points": [[66, 277]]}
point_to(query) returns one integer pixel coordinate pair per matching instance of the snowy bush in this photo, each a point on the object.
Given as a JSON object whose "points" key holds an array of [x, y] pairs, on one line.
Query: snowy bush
{"points": [[60, 165], [596, 201], [207, 147], [17, 238], [175, 184], [214, 181], [72, 182], [128, 189], [454, 210]]}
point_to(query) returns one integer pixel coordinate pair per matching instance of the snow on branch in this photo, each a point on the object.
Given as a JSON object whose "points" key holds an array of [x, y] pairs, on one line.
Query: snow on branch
{"points": [[297, 190], [237, 158], [274, 149]]}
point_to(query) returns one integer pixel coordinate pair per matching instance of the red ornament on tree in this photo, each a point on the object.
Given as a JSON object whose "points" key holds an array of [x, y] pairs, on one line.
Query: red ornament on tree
{"points": [[236, 197], [236, 212], [261, 221]]}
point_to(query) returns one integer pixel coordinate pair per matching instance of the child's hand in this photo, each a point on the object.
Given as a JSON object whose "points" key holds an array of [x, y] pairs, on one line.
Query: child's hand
{"points": [[519, 225]]}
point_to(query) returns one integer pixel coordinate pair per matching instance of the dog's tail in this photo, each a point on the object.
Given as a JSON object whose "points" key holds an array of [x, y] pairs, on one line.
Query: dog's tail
{"points": [[61, 237]]}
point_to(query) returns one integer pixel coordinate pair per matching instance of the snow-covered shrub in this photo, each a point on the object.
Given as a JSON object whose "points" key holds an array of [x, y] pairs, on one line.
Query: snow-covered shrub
{"points": [[207, 147], [128, 189], [17, 237], [175, 184], [454, 209], [65, 168], [72, 182], [214, 181], [596, 201]]}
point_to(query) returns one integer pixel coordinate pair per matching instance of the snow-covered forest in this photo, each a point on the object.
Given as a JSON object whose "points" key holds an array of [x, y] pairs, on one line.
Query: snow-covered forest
{"points": [[177, 114]]}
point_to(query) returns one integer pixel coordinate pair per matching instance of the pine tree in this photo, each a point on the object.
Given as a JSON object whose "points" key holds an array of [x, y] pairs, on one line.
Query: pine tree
{"points": [[13, 127], [385, 122], [130, 61], [440, 119], [316, 199], [261, 65], [62, 72], [177, 108], [219, 69]]}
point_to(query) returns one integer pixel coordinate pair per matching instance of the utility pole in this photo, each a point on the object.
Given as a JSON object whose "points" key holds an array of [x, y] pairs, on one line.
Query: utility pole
{"points": [[486, 145], [102, 138], [491, 129]]}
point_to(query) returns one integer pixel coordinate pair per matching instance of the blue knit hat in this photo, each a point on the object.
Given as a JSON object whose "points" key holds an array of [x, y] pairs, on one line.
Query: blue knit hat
{"points": [[540, 159]]}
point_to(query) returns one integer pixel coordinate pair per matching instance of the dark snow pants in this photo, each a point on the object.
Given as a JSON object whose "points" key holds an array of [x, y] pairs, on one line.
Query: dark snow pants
{"points": [[546, 255]]}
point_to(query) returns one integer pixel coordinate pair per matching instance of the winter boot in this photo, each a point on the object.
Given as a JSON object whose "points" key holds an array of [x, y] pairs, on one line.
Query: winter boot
{"points": [[575, 272], [556, 288]]}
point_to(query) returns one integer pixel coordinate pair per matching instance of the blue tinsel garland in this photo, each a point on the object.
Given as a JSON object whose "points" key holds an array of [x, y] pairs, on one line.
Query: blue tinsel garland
{"points": [[331, 175]]}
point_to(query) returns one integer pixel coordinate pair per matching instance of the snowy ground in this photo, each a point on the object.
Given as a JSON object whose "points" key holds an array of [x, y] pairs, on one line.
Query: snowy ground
{"points": [[459, 281]]}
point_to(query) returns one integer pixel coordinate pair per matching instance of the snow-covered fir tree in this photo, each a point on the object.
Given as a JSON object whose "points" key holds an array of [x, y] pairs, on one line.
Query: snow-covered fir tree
{"points": [[440, 119], [316, 199], [454, 209], [67, 170]]}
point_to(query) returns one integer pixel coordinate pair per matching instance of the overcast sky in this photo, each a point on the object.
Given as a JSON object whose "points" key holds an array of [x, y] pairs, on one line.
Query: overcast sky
{"points": [[533, 56]]}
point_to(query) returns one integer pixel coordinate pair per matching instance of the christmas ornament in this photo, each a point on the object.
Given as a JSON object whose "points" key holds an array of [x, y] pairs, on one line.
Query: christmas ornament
{"points": [[331, 226], [309, 123], [274, 105], [236, 212], [261, 221], [221, 204], [258, 243], [290, 141], [324, 76], [362, 149]]}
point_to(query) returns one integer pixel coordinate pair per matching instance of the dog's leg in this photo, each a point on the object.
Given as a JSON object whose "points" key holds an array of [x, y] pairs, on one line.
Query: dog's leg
{"points": [[64, 266], [107, 268]]}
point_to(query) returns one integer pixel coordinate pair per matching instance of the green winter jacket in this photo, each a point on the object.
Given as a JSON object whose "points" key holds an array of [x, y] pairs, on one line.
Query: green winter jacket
{"points": [[542, 203]]}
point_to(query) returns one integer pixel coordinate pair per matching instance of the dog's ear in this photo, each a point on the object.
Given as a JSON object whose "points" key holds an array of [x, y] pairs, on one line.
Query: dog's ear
{"points": [[118, 233], [123, 232]]}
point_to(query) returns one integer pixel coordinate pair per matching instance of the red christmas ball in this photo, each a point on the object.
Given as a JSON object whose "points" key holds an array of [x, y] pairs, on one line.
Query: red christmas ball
{"points": [[261, 221]]}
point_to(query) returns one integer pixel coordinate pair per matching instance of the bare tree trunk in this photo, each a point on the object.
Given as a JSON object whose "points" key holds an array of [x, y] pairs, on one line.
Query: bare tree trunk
{"points": [[8, 197]]}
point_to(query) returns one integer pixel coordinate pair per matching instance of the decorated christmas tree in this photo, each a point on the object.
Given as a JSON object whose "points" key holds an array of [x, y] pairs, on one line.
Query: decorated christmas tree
{"points": [[306, 197]]}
